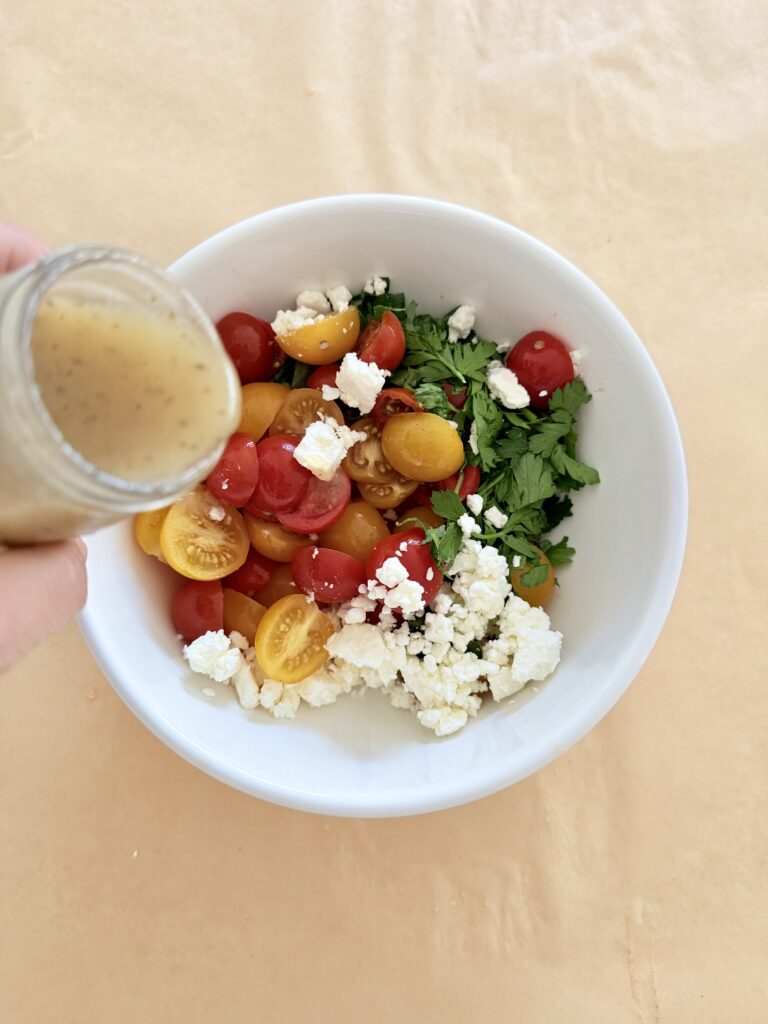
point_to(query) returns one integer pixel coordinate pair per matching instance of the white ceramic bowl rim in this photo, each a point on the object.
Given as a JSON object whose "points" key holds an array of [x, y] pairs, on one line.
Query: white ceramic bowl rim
{"points": [[490, 777]]}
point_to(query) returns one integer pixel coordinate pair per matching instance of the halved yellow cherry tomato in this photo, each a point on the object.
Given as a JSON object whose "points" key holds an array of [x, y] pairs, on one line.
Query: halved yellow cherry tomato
{"points": [[146, 530], [291, 638], [387, 495], [365, 460], [357, 532], [241, 613], [280, 584], [424, 515], [422, 446], [302, 407], [539, 594], [273, 540], [261, 402], [199, 547], [323, 341]]}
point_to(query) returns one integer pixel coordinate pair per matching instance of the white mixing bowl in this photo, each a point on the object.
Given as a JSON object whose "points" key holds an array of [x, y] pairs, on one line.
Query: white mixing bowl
{"points": [[360, 756]]}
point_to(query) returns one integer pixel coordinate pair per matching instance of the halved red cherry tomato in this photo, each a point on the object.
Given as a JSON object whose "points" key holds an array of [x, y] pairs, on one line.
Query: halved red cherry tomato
{"points": [[422, 496], [234, 477], [327, 575], [391, 402], [283, 483], [197, 608], [470, 481], [323, 504], [251, 345], [409, 548], [457, 398], [252, 575], [383, 342], [542, 364], [323, 375]]}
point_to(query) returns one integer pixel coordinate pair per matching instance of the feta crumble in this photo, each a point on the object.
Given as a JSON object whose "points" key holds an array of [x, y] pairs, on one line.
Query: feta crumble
{"points": [[473, 445], [324, 446], [375, 286], [505, 388], [339, 298], [496, 517], [359, 383], [475, 504], [460, 323], [468, 525], [213, 655], [217, 514], [289, 320], [313, 300]]}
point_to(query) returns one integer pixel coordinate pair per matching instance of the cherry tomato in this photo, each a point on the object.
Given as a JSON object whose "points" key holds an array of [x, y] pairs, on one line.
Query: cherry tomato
{"points": [[241, 613], [325, 340], [291, 638], [197, 546], [457, 398], [197, 608], [146, 530], [539, 594], [422, 446], [365, 461], [251, 345], [387, 495], [261, 403], [392, 402], [470, 481], [253, 574], [282, 481], [542, 364], [409, 548], [327, 575], [423, 496], [323, 375], [281, 584], [323, 504], [272, 540], [234, 477], [383, 342], [424, 515], [302, 407], [356, 531]]}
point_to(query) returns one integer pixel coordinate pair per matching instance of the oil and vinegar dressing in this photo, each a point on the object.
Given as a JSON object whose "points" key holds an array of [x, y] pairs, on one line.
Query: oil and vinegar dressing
{"points": [[142, 396]]}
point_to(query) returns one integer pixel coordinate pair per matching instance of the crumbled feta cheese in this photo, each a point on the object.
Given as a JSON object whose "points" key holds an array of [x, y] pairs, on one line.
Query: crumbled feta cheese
{"points": [[505, 346], [577, 357], [473, 445], [330, 394], [217, 514], [505, 388], [468, 525], [246, 687], [289, 320], [359, 383], [362, 645], [391, 572], [408, 596], [339, 297], [324, 447], [444, 721], [375, 286], [213, 655], [461, 322], [313, 300], [475, 504], [496, 517], [517, 561]]}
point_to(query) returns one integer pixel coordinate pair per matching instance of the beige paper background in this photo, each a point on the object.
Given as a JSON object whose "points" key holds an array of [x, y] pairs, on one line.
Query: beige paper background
{"points": [[625, 883]]}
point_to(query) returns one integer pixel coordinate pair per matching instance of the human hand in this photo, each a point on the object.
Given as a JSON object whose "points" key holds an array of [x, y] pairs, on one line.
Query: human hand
{"points": [[41, 587]]}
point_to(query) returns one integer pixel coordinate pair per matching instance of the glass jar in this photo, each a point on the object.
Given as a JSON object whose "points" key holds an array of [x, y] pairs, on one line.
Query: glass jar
{"points": [[51, 488]]}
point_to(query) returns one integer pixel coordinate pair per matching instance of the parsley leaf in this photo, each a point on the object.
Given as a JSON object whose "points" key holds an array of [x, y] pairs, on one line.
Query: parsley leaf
{"points": [[434, 399], [531, 482], [535, 575], [556, 510], [445, 542], [570, 397], [448, 505], [579, 472], [560, 553], [488, 422], [549, 432], [514, 444], [470, 359]]}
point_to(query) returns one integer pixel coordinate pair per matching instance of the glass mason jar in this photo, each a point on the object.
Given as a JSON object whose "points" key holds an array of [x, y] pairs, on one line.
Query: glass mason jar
{"points": [[48, 488]]}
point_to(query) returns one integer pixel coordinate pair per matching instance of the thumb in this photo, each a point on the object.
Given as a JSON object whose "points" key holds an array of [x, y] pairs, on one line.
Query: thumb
{"points": [[41, 588]]}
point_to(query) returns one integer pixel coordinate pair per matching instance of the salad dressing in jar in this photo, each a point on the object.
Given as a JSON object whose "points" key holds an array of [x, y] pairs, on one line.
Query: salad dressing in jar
{"points": [[118, 395]]}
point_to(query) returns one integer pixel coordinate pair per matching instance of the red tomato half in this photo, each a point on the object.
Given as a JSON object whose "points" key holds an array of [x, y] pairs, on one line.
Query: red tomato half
{"points": [[283, 483], [542, 364], [251, 345], [254, 574], [326, 574], [457, 398], [197, 608], [391, 402], [323, 375], [234, 477], [410, 549], [383, 342], [469, 483], [322, 505]]}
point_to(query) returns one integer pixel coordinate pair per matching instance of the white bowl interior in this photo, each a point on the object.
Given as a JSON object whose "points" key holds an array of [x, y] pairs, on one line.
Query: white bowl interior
{"points": [[361, 756]]}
